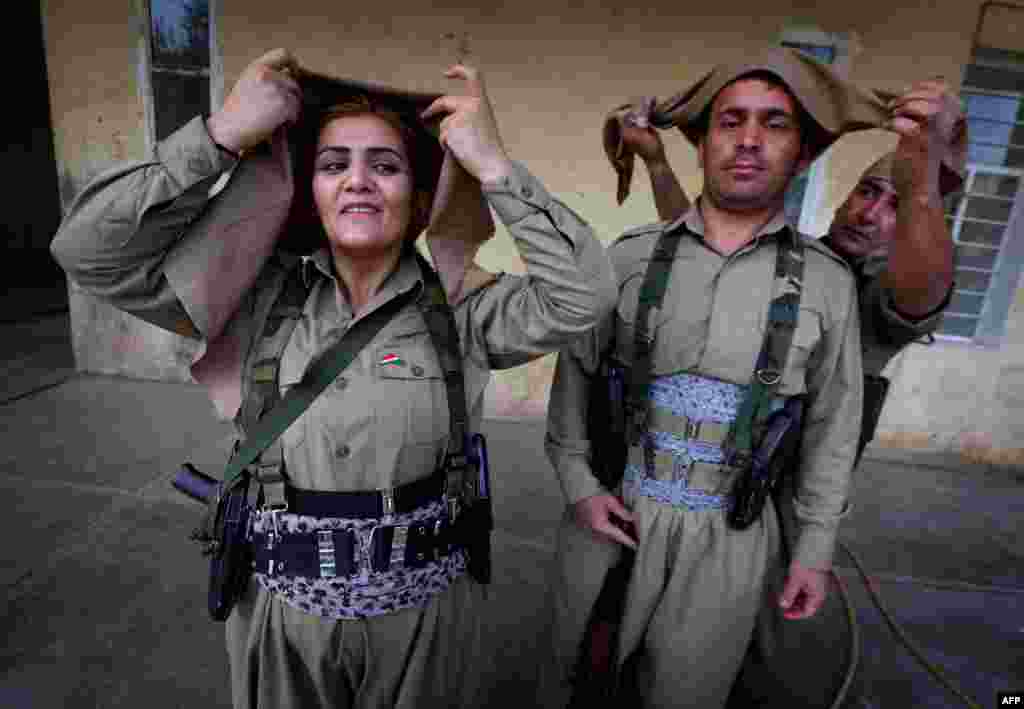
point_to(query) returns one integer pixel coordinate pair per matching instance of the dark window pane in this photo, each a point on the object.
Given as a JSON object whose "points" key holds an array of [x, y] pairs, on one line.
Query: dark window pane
{"points": [[994, 55], [975, 256], [983, 77], [177, 99], [966, 304], [997, 185], [958, 326], [972, 280], [993, 209], [181, 33], [980, 233]]}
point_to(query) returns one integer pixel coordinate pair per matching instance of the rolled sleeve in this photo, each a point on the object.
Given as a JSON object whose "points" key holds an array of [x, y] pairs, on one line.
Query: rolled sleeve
{"points": [[569, 284], [115, 236], [835, 389]]}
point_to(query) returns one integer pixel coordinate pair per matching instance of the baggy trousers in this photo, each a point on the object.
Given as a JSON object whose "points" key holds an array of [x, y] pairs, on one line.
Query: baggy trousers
{"points": [[691, 603], [283, 658]]}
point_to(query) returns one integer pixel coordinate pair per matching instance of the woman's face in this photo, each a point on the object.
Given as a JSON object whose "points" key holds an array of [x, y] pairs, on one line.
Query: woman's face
{"points": [[362, 184]]}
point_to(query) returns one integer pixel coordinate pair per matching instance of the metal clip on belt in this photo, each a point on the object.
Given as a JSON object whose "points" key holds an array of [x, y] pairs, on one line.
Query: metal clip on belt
{"points": [[329, 553]]}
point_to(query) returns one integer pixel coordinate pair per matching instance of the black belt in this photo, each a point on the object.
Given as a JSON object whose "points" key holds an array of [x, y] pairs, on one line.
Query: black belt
{"points": [[368, 504], [331, 553]]}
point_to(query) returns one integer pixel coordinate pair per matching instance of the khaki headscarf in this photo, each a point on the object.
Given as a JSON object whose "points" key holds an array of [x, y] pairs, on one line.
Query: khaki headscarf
{"points": [[259, 200], [835, 105]]}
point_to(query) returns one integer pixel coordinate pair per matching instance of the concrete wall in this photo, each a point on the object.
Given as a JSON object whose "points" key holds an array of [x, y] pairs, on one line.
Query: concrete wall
{"points": [[553, 69]]}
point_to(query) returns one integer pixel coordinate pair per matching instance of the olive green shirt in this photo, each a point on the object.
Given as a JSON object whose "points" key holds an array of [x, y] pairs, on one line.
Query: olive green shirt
{"points": [[384, 421], [712, 324]]}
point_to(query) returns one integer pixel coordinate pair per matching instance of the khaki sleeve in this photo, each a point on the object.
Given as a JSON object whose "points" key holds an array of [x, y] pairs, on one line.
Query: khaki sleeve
{"points": [[568, 441], [114, 239], [567, 289], [835, 391], [881, 322]]}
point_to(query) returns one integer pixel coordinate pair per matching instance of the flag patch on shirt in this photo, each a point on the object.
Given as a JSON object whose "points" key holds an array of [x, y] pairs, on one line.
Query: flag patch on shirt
{"points": [[391, 359]]}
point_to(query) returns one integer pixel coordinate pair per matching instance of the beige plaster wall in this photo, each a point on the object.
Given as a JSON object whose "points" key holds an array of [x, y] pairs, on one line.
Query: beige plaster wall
{"points": [[553, 68]]}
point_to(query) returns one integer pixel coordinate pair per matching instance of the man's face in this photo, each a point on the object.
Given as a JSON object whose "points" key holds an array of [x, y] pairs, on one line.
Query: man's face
{"points": [[752, 148], [866, 221]]}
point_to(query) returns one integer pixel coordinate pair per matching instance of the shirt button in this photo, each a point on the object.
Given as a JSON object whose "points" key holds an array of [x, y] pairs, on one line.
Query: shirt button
{"points": [[343, 451], [527, 191], [417, 371], [340, 383]]}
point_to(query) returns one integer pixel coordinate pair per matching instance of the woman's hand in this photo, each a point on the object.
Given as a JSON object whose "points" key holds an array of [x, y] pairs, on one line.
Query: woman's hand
{"points": [[264, 98], [469, 130]]}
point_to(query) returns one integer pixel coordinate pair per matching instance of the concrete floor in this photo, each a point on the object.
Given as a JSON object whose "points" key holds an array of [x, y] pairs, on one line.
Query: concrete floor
{"points": [[104, 597]]}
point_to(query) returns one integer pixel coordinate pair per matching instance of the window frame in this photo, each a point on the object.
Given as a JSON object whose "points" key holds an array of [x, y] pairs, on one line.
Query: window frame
{"points": [[993, 319], [145, 66]]}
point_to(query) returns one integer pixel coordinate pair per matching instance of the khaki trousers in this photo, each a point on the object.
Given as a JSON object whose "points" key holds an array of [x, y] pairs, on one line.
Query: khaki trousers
{"points": [[426, 657], [690, 609]]}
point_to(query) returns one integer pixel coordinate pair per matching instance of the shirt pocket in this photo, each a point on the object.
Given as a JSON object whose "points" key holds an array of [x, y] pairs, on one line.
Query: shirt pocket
{"points": [[410, 400]]}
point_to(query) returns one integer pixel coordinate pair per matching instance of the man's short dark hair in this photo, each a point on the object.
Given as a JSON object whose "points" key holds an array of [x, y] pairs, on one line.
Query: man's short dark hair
{"points": [[806, 124]]}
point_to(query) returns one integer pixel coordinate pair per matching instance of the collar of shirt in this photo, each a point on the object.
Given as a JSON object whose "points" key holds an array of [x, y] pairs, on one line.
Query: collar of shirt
{"points": [[408, 275], [693, 220]]}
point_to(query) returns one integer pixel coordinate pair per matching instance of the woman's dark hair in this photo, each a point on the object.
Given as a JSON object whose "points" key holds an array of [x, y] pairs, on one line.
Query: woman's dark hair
{"points": [[305, 229]]}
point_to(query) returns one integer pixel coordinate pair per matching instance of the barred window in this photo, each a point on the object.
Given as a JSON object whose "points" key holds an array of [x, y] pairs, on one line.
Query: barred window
{"points": [[988, 240], [178, 56]]}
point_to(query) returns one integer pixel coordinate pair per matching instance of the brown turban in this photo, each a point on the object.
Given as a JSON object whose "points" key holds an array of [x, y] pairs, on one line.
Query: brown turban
{"points": [[835, 105]]}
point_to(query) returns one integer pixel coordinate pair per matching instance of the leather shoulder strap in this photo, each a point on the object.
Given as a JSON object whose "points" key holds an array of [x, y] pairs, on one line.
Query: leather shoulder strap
{"points": [[444, 334]]}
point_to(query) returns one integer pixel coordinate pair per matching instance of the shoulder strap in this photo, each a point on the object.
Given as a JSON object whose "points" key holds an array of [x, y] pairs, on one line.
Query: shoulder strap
{"points": [[652, 294], [778, 336], [771, 361], [320, 373], [444, 334], [261, 392]]}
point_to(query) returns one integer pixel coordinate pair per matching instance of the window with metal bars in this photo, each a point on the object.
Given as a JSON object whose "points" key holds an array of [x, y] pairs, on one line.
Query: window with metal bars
{"points": [[179, 62], [984, 221]]}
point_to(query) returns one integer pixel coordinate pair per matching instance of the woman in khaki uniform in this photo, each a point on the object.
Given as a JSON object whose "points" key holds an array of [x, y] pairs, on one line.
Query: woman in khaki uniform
{"points": [[139, 236]]}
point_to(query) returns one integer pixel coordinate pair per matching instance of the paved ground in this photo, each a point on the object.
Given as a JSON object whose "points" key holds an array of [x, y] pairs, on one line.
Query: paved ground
{"points": [[104, 597]]}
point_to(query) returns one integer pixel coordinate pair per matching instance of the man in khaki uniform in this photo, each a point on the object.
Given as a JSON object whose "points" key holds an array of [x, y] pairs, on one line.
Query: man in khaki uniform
{"points": [[696, 584], [891, 231], [147, 237]]}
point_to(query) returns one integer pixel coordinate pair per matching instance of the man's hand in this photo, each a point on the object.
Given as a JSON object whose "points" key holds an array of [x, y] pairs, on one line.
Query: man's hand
{"points": [[804, 592], [469, 130], [605, 515], [639, 137], [264, 98], [928, 118]]}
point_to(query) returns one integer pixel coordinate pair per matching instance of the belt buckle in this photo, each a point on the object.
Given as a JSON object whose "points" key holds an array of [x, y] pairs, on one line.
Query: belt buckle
{"points": [[387, 496], [274, 533], [325, 551]]}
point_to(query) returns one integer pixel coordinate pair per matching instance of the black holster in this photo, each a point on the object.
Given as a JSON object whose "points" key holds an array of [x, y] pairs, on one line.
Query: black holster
{"points": [[778, 447], [225, 534], [876, 389], [475, 521], [606, 424]]}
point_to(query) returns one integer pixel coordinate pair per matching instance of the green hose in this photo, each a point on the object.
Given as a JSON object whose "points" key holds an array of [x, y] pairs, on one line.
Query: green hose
{"points": [[851, 616]]}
